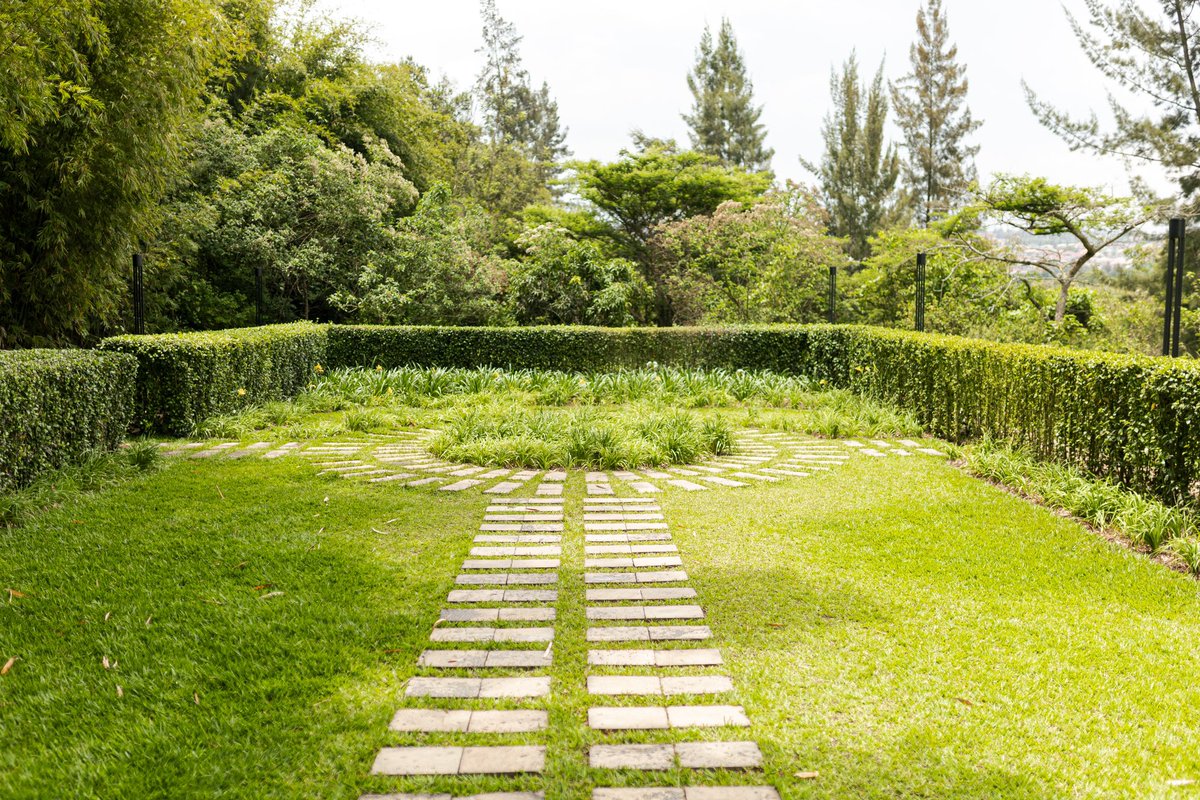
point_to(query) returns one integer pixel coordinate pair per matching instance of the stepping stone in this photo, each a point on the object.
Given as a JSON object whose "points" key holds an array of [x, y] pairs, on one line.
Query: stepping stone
{"points": [[596, 477], [687, 485], [502, 595], [910, 443], [549, 489], [606, 549], [727, 793], [509, 579], [544, 550], [610, 516], [471, 659], [527, 501], [643, 487], [653, 473], [504, 487], [627, 537], [250, 449], [465, 471], [645, 612], [696, 684], [395, 476], [867, 451], [624, 526], [929, 451], [649, 633], [215, 450], [492, 634], [625, 501], [615, 595], [707, 717], [899, 451], [424, 481], [717, 479], [655, 658], [793, 473], [468, 688], [518, 539], [670, 576], [460, 485], [719, 755], [599, 488], [632, 756], [459, 760], [648, 793], [363, 474], [624, 685], [496, 615], [555, 476], [687, 472], [628, 718], [751, 476], [498, 507], [496, 473]]}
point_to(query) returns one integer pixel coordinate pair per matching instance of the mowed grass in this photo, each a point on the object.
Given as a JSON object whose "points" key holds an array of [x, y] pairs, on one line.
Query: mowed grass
{"points": [[905, 630], [894, 625]]}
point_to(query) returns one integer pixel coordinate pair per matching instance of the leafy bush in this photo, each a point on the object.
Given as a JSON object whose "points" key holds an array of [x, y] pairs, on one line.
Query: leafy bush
{"points": [[184, 378], [56, 405]]}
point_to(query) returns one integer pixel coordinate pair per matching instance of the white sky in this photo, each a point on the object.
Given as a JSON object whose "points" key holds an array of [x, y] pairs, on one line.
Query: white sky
{"points": [[622, 64]]}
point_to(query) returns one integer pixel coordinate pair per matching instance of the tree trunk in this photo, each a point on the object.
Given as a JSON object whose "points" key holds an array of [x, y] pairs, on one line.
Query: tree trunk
{"points": [[1060, 308]]}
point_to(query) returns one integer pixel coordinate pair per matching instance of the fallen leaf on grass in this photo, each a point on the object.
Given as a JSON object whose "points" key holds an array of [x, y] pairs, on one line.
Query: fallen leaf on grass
{"points": [[148, 620], [381, 533], [105, 662], [196, 697], [965, 702], [270, 595], [1181, 782], [8, 665], [14, 593], [220, 492], [262, 586], [107, 614], [120, 691], [807, 776], [239, 566], [775, 624]]}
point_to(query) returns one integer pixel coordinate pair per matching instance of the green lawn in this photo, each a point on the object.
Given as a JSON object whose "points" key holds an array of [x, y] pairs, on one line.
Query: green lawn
{"points": [[896, 626]]}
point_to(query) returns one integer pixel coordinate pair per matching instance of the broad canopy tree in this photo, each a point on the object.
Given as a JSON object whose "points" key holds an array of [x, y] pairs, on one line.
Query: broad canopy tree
{"points": [[1089, 220]]}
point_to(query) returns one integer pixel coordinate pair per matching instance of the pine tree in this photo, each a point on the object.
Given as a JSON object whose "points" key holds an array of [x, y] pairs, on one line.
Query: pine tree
{"points": [[859, 169], [931, 111], [724, 121], [514, 113]]}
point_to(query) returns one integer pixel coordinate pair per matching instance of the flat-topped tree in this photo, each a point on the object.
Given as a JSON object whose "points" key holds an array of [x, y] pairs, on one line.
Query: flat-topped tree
{"points": [[1091, 219]]}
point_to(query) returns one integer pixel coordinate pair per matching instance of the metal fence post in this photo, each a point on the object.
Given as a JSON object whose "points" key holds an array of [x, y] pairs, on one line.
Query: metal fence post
{"points": [[1180, 239], [832, 295], [920, 321], [139, 295]]}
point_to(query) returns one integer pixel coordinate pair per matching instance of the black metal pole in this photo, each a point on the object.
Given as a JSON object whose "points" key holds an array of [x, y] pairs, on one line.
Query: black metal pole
{"points": [[139, 295], [832, 295], [258, 303], [920, 292], [1169, 303], [1180, 236]]}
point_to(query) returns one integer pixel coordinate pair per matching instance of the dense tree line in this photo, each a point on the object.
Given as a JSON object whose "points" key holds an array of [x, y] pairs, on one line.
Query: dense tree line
{"points": [[225, 138]]}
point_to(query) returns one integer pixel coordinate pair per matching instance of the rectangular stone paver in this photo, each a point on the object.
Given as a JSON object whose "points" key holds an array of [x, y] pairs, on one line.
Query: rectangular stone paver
{"points": [[696, 684], [717, 479], [511, 563], [467, 688], [645, 612], [668, 576], [627, 537], [497, 614], [502, 596], [632, 756], [650, 633], [487, 551], [653, 685], [687, 485], [504, 487], [492, 634], [728, 793], [639, 793], [632, 548], [549, 489], [496, 659], [615, 595], [688, 658], [466, 483], [459, 760], [599, 488], [628, 719], [467, 721], [507, 578], [707, 716]]}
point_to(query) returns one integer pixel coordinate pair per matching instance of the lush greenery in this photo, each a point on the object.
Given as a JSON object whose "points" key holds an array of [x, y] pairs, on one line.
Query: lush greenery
{"points": [[56, 405], [923, 605], [184, 378], [1144, 522], [514, 436]]}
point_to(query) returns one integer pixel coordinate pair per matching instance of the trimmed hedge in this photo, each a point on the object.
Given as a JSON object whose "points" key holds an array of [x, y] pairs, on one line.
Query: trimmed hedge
{"points": [[185, 377], [1134, 420], [56, 405], [777, 347]]}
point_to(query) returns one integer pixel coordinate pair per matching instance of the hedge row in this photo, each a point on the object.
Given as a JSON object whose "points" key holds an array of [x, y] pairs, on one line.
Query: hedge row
{"points": [[184, 378], [1134, 420], [57, 404]]}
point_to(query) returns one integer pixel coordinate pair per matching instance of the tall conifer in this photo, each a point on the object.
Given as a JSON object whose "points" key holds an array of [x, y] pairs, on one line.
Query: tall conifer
{"points": [[931, 111], [724, 121]]}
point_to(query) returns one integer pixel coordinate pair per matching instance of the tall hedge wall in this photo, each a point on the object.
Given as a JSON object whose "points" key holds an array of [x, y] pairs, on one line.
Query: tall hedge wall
{"points": [[1135, 420], [185, 377], [57, 404]]}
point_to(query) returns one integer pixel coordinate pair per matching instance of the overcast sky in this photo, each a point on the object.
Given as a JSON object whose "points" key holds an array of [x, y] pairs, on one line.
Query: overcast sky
{"points": [[622, 64]]}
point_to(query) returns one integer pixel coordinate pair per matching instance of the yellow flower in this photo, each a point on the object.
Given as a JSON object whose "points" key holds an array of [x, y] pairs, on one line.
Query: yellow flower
{"points": [[241, 392], [318, 369], [378, 368], [390, 392]]}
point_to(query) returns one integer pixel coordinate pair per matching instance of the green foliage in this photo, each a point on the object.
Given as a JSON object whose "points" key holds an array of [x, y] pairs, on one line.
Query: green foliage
{"points": [[58, 405], [1150, 53], [859, 169], [184, 378], [561, 281], [434, 269], [658, 183], [724, 121], [765, 262], [514, 436], [1036, 207], [1145, 522], [99, 99]]}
